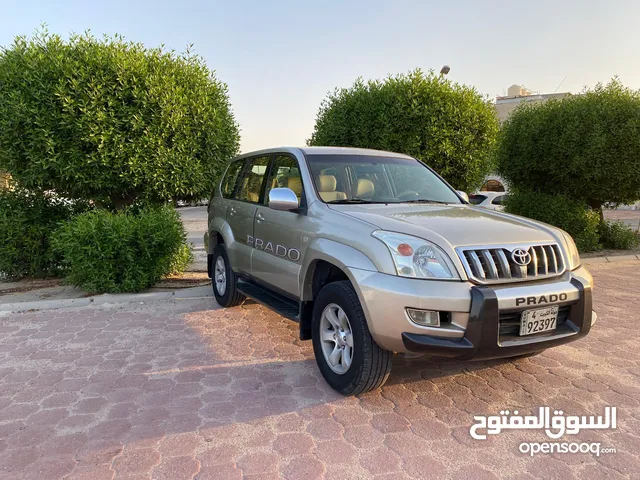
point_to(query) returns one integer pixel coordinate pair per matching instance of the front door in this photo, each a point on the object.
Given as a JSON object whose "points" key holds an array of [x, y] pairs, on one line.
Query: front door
{"points": [[242, 210], [279, 235]]}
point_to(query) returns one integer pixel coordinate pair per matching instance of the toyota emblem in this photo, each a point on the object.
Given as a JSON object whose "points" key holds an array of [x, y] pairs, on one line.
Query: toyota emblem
{"points": [[521, 257]]}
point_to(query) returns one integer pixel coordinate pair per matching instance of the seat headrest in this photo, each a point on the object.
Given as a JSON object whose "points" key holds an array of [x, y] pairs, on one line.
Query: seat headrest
{"points": [[365, 188], [328, 183], [295, 184]]}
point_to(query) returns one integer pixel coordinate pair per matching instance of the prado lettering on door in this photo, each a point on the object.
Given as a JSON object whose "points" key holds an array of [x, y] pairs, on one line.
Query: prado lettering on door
{"points": [[274, 249]]}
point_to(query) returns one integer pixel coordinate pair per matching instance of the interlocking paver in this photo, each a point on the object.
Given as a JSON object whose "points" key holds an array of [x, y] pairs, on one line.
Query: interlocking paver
{"points": [[186, 390]]}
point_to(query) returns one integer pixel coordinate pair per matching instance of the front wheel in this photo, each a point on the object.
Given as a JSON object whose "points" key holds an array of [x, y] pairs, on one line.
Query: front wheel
{"points": [[349, 359], [224, 280]]}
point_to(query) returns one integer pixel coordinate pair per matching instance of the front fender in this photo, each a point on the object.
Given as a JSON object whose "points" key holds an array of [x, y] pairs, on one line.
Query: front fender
{"points": [[338, 254]]}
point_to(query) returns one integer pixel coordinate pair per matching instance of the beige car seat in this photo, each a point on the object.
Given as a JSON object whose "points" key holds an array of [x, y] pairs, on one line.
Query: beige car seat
{"points": [[327, 188], [366, 188], [295, 184]]}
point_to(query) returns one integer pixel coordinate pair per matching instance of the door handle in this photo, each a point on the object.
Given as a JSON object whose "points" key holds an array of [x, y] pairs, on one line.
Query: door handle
{"points": [[259, 217]]}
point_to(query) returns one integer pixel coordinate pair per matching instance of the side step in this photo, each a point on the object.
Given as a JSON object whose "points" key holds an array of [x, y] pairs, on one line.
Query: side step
{"points": [[284, 306]]}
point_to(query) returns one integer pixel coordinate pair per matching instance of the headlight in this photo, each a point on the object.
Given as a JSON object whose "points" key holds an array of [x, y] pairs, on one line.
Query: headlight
{"points": [[572, 251], [416, 257]]}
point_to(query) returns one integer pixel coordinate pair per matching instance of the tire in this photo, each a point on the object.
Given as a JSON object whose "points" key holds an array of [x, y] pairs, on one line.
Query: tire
{"points": [[369, 365], [226, 293]]}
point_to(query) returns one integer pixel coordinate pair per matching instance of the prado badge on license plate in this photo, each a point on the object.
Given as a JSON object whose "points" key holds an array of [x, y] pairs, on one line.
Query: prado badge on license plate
{"points": [[538, 320]]}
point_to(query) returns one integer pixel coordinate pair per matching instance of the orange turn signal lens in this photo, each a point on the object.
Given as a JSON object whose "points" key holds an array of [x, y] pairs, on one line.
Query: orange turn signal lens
{"points": [[405, 250]]}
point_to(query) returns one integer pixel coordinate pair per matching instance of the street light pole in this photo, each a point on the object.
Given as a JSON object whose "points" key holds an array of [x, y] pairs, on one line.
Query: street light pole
{"points": [[445, 69]]}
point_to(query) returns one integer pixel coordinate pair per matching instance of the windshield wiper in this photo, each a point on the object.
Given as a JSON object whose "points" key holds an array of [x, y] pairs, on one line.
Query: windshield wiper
{"points": [[424, 200], [345, 201]]}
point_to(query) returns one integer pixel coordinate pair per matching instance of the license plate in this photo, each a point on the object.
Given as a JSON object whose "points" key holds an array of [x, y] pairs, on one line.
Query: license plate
{"points": [[538, 320]]}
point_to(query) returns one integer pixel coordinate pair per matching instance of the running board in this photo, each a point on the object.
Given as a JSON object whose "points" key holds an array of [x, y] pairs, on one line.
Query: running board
{"points": [[284, 306]]}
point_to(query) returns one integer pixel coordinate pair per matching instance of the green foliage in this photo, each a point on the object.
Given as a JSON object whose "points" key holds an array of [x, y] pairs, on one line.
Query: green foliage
{"points": [[122, 252], [111, 120], [586, 146], [27, 221], [181, 260], [572, 216], [448, 126], [617, 235]]}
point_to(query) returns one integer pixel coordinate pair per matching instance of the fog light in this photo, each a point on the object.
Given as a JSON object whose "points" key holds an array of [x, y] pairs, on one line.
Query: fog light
{"points": [[427, 318]]}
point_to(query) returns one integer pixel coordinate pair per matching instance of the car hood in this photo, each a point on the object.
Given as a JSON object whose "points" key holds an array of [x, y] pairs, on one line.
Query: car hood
{"points": [[455, 225]]}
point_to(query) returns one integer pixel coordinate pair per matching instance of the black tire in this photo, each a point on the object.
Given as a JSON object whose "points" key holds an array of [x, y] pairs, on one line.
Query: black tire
{"points": [[370, 365], [231, 296]]}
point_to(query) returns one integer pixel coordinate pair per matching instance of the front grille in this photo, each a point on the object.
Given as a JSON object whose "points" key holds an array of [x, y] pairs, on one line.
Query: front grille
{"points": [[509, 322], [496, 264]]}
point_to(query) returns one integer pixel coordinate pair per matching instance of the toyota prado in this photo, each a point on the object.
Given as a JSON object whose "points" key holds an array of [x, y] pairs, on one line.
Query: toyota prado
{"points": [[373, 253]]}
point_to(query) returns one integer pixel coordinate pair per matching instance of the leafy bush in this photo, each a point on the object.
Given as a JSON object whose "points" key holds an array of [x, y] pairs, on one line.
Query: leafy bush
{"points": [[181, 260], [617, 235], [448, 126], [126, 251], [112, 121], [586, 146], [572, 216], [27, 220]]}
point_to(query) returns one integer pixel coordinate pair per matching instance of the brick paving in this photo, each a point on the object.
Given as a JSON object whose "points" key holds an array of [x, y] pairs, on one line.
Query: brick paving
{"points": [[180, 389]]}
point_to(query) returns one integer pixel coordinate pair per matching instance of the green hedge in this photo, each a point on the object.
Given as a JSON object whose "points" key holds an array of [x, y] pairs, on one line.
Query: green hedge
{"points": [[111, 120], [572, 216], [617, 235], [27, 221], [126, 251], [448, 126]]}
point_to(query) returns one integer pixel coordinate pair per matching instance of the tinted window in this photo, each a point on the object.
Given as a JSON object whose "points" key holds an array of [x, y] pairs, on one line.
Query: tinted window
{"points": [[230, 178], [252, 179], [476, 199], [285, 173], [499, 200], [377, 179]]}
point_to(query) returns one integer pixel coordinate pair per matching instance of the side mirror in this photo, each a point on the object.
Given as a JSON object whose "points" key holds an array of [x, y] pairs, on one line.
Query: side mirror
{"points": [[283, 199], [464, 195]]}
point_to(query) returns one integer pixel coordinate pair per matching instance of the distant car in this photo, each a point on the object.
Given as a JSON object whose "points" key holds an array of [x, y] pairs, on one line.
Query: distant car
{"points": [[490, 200]]}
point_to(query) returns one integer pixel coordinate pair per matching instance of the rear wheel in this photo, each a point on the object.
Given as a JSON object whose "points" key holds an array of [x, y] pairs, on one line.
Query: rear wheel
{"points": [[224, 280], [349, 359]]}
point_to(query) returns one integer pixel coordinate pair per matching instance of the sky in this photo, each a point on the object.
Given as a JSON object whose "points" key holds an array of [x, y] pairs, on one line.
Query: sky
{"points": [[281, 58]]}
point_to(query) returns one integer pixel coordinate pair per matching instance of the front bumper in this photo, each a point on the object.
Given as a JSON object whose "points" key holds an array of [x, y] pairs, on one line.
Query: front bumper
{"points": [[479, 327]]}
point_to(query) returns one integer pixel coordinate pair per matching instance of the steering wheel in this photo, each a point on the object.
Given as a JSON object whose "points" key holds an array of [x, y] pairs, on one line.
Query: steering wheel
{"points": [[408, 195]]}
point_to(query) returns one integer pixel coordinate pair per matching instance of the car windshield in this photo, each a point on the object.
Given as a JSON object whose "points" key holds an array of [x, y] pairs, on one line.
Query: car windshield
{"points": [[377, 179]]}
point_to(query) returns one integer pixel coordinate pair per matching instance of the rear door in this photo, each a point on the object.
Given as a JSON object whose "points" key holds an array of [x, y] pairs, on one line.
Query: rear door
{"points": [[279, 245], [242, 210]]}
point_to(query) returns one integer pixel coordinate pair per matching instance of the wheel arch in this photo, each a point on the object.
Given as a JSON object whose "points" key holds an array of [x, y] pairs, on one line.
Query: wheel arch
{"points": [[327, 261], [219, 233]]}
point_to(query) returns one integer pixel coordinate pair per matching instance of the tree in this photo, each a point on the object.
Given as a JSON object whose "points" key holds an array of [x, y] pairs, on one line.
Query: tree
{"points": [[586, 146], [112, 121], [448, 126]]}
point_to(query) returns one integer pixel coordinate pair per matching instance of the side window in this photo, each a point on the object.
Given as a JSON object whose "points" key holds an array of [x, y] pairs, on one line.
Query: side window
{"points": [[230, 179], [254, 175], [499, 200], [285, 173], [477, 199]]}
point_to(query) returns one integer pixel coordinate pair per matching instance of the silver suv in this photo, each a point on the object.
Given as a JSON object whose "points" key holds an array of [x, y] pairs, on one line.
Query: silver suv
{"points": [[372, 253]]}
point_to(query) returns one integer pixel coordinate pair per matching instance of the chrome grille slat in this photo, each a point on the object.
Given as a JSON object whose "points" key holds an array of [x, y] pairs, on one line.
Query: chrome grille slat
{"points": [[498, 264], [492, 272], [478, 265], [554, 259], [533, 266], [504, 263], [545, 262]]}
